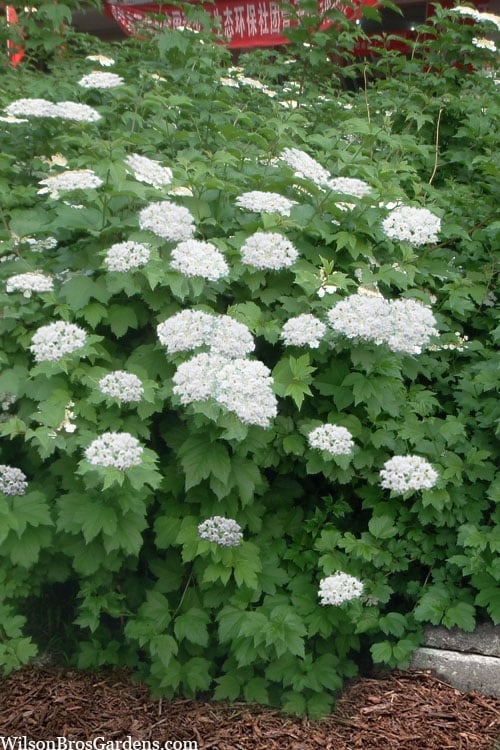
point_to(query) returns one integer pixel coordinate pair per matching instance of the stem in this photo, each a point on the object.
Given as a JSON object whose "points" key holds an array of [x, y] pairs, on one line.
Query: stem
{"points": [[436, 150]]}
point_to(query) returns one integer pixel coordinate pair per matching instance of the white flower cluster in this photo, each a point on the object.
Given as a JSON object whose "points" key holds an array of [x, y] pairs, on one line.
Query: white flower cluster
{"points": [[62, 110], [418, 226], [197, 258], [465, 10], [190, 329], [149, 171], [27, 283], [265, 202], [303, 330], [118, 449], [106, 62], [332, 438], [12, 480], [225, 532], [404, 325], [167, 220], [483, 43], [76, 179], [404, 473], [305, 166], [39, 245], [122, 385], [7, 400], [242, 386], [123, 256], [55, 340], [339, 588], [268, 250], [99, 80], [349, 186]]}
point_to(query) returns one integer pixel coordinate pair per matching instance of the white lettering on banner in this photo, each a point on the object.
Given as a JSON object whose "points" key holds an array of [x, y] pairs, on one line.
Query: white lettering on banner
{"points": [[228, 24], [263, 16], [276, 18], [239, 20], [251, 20]]}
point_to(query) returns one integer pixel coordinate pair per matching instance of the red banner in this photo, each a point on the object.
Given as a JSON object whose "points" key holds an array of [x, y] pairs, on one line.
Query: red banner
{"points": [[240, 23]]}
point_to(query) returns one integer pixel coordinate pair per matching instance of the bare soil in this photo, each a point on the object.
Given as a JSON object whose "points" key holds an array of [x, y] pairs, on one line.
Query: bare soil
{"points": [[399, 711]]}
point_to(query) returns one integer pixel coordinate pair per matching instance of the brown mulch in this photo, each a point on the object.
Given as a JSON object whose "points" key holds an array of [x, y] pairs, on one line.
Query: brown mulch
{"points": [[401, 711]]}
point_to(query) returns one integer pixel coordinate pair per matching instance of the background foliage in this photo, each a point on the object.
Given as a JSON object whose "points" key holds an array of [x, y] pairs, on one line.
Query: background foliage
{"points": [[106, 567]]}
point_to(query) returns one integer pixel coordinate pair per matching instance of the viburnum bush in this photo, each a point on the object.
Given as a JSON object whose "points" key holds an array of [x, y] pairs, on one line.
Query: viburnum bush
{"points": [[248, 371]]}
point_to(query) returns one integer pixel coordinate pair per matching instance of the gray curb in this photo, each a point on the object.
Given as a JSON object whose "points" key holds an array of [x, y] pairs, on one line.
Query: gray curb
{"points": [[468, 661]]}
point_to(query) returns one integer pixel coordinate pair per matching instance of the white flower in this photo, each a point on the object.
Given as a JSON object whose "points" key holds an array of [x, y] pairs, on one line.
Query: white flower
{"points": [[196, 258], [223, 531], [403, 473], [12, 480], [122, 385], [167, 220], [268, 250], [190, 329], [483, 43], [31, 108], [27, 283], [339, 588], [194, 379], [418, 226], [186, 330], [7, 400], [106, 62], [335, 440], [305, 166], [118, 449], [404, 325], [148, 170], [55, 340], [61, 110], [304, 330], [100, 80], [12, 119], [78, 179], [230, 338], [265, 202], [76, 112], [244, 386], [349, 186], [123, 256], [464, 10]]}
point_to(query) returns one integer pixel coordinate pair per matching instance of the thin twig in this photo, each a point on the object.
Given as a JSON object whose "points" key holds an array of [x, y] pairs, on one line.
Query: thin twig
{"points": [[436, 150]]}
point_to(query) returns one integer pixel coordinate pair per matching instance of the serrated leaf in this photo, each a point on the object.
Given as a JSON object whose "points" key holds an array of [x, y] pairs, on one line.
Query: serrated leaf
{"points": [[382, 527], [121, 318], [192, 626], [228, 688]]}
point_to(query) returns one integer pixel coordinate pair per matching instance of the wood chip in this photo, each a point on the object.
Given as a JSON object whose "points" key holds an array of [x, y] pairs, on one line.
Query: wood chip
{"points": [[399, 711]]}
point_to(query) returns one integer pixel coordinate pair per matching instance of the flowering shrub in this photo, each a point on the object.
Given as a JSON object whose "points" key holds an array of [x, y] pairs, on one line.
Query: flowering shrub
{"points": [[249, 360]]}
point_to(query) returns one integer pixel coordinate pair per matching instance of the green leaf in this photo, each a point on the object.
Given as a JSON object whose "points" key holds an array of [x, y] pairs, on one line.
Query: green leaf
{"points": [[228, 688], [200, 457], [247, 565], [382, 527], [393, 623], [163, 648], [79, 290], [256, 691], [196, 674], [293, 703], [121, 318], [292, 377], [381, 652], [192, 626], [461, 615]]}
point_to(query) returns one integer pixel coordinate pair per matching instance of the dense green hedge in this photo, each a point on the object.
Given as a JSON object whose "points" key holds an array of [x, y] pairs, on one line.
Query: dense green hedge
{"points": [[229, 264]]}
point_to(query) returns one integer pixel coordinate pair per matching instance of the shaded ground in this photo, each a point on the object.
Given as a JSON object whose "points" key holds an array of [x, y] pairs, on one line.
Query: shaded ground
{"points": [[402, 711]]}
